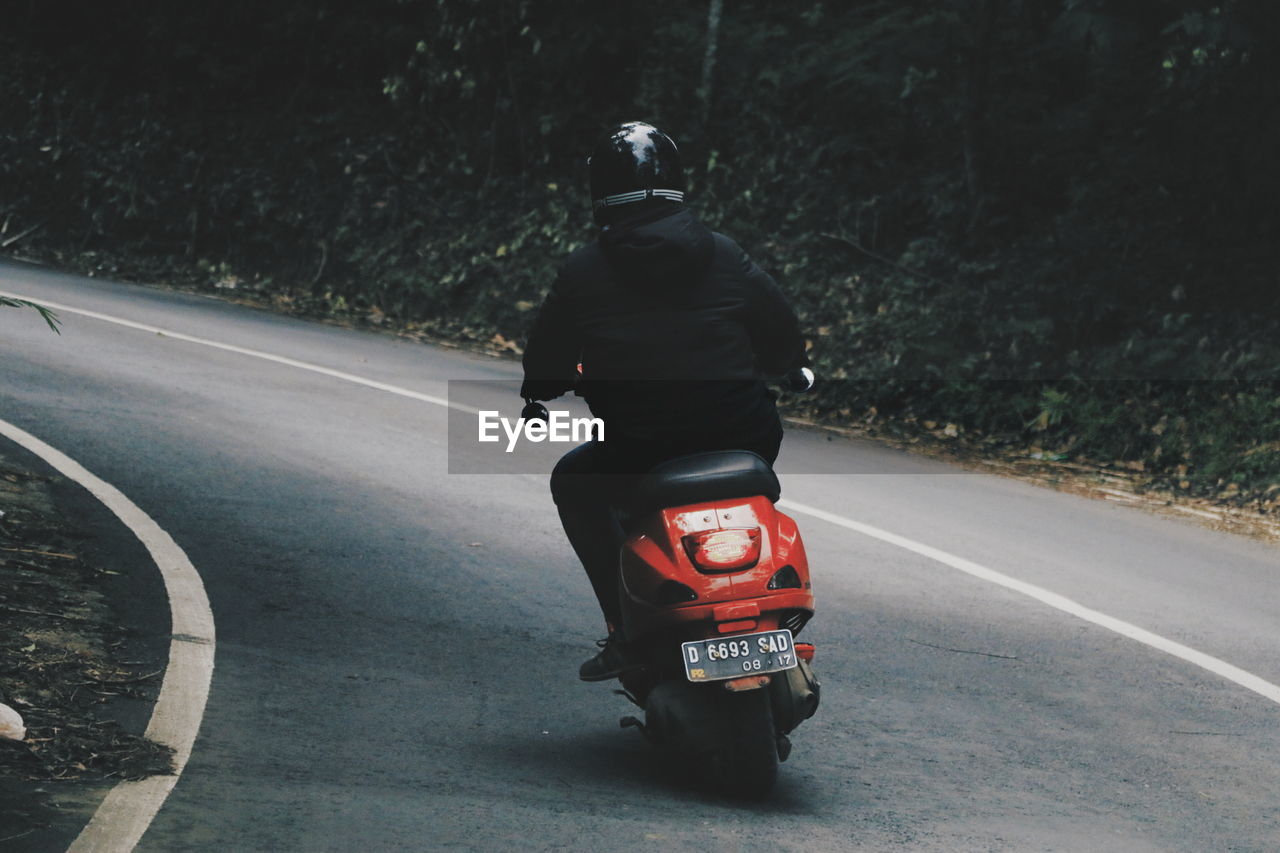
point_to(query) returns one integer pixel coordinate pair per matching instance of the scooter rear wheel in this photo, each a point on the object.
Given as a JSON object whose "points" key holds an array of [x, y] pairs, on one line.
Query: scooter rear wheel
{"points": [[745, 761]]}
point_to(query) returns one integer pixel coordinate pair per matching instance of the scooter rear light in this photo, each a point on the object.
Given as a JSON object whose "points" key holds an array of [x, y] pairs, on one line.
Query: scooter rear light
{"points": [[751, 682], [724, 550], [805, 651]]}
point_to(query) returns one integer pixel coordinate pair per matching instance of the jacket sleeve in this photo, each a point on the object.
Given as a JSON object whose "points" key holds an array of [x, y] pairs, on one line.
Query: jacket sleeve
{"points": [[771, 323], [552, 351]]}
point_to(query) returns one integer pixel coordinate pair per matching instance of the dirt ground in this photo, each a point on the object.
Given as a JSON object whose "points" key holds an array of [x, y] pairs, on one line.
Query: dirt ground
{"points": [[64, 658]]}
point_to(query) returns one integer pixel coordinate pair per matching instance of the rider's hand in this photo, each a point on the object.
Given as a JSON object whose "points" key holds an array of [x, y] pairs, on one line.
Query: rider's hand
{"points": [[534, 411], [544, 389]]}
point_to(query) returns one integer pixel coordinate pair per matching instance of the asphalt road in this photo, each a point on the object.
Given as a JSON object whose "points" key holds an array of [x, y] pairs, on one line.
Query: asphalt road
{"points": [[397, 645]]}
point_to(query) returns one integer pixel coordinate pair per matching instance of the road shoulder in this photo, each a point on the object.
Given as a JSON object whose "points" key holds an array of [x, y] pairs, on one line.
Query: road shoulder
{"points": [[82, 655]]}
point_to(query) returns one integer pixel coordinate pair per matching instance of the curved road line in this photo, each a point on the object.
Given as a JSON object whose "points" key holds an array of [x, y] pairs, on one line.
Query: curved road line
{"points": [[129, 807], [1248, 680]]}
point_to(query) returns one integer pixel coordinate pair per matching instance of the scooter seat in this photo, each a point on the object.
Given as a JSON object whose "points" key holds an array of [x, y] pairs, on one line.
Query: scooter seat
{"points": [[702, 477]]}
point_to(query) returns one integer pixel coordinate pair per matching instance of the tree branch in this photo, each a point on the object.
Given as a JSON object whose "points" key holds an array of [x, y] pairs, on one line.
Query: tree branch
{"points": [[709, 57], [16, 237]]}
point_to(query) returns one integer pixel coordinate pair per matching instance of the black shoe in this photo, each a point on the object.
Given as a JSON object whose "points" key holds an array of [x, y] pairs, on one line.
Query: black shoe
{"points": [[613, 660]]}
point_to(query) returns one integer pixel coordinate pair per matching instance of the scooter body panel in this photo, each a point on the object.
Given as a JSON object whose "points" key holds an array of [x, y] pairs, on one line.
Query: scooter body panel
{"points": [[665, 593]]}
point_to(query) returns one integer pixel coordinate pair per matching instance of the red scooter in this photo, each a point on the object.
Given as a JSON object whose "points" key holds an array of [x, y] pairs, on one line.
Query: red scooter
{"points": [[715, 588]]}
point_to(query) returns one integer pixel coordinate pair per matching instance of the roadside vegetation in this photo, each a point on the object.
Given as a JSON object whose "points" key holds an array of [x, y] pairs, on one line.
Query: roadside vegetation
{"points": [[49, 317], [1040, 225]]}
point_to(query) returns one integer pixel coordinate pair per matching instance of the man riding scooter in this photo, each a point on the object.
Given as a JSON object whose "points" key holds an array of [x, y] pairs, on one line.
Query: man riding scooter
{"points": [[675, 329]]}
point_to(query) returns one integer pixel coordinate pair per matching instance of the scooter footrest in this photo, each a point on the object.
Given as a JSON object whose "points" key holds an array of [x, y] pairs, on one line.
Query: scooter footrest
{"points": [[784, 747]]}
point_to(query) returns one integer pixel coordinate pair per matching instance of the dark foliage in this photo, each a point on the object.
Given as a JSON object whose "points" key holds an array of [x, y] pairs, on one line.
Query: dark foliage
{"points": [[1051, 220]]}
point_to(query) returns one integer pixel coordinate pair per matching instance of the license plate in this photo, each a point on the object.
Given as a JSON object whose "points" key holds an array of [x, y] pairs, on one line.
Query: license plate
{"points": [[734, 657]]}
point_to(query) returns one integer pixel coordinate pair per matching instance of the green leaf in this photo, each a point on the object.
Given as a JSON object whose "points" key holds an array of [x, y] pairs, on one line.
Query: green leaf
{"points": [[46, 314]]}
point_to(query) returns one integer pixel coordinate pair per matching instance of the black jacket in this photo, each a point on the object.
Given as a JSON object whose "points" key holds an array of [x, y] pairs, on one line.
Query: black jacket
{"points": [[674, 326]]}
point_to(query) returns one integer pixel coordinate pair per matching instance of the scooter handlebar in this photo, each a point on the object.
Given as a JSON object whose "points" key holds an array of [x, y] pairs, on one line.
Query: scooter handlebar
{"points": [[534, 411], [799, 380]]}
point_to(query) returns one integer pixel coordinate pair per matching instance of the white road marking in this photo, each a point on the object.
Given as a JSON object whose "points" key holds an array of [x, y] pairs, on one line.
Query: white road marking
{"points": [[266, 356], [129, 807], [1214, 665]]}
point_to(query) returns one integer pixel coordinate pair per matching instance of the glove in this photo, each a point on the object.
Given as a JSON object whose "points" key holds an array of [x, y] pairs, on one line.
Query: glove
{"points": [[534, 411]]}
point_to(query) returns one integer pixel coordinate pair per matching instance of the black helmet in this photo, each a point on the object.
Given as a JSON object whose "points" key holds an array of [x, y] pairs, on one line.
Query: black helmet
{"points": [[635, 162]]}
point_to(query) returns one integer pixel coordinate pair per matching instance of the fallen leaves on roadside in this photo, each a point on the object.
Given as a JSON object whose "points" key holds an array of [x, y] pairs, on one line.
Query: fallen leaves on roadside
{"points": [[60, 662]]}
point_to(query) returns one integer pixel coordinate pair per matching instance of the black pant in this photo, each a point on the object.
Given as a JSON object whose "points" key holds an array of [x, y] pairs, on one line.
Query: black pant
{"points": [[592, 479]]}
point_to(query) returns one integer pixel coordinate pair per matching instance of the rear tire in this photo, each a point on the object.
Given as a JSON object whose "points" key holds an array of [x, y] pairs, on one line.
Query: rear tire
{"points": [[745, 762]]}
